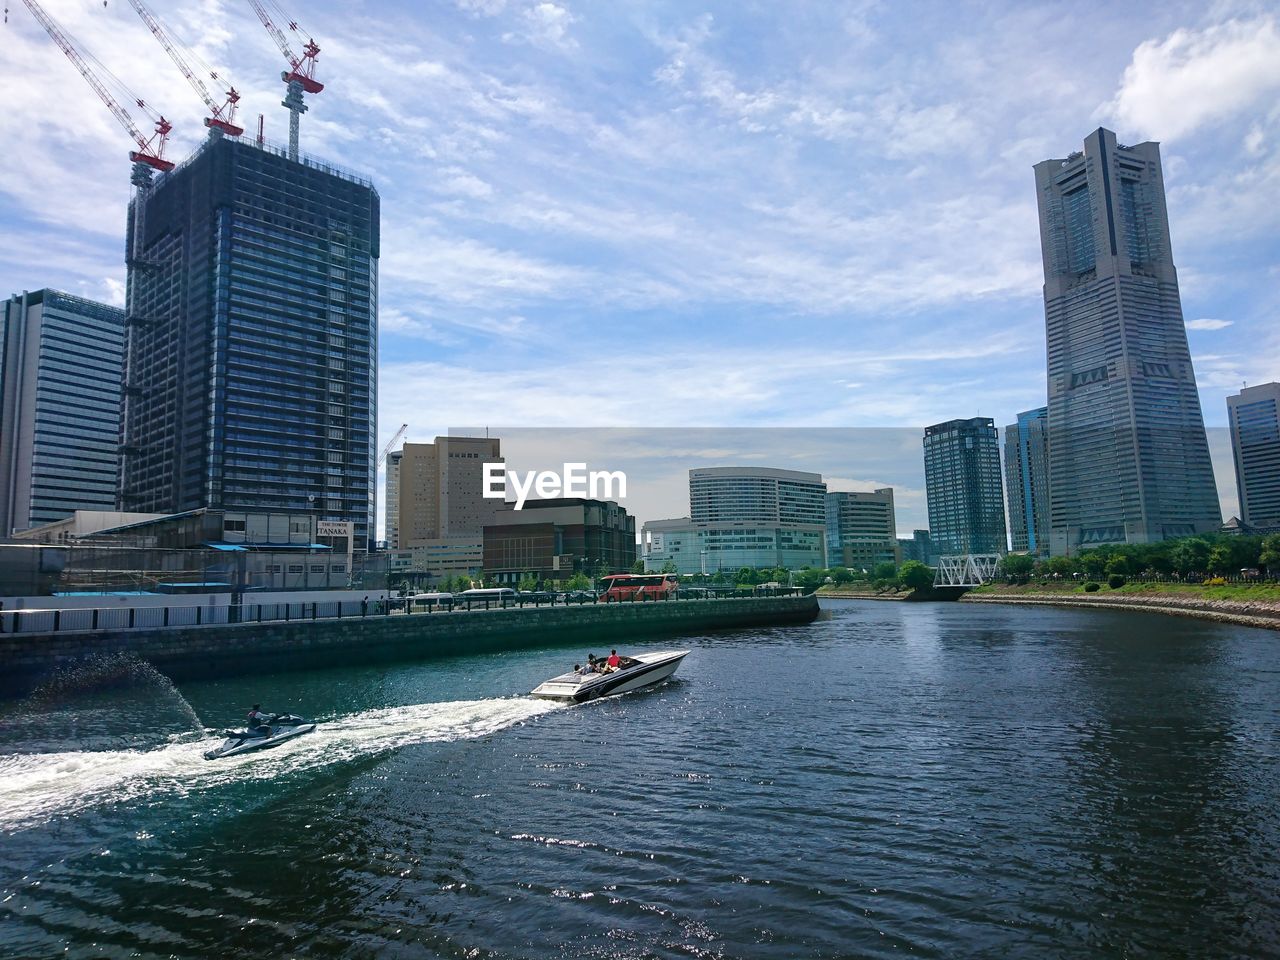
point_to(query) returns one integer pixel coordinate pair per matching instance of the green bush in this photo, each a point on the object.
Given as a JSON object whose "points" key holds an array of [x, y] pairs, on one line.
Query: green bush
{"points": [[1092, 587], [1115, 581]]}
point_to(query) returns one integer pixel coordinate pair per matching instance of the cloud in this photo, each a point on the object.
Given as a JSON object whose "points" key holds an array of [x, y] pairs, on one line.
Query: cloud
{"points": [[1194, 77], [1206, 324], [545, 25]]}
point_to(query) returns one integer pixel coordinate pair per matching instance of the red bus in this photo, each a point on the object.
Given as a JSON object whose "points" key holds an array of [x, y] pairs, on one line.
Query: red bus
{"points": [[640, 586]]}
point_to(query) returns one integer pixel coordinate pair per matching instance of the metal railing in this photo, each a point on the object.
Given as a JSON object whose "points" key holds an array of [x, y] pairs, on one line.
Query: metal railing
{"points": [[98, 619]]}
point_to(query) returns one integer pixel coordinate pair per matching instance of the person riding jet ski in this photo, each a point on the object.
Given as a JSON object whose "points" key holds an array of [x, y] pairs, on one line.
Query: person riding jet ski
{"points": [[260, 722]]}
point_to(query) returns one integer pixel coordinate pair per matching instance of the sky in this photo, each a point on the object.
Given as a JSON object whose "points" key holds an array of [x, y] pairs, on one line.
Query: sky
{"points": [[700, 214]]}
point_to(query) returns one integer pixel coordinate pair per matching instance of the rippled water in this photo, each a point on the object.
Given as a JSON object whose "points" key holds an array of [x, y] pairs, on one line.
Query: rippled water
{"points": [[934, 780]]}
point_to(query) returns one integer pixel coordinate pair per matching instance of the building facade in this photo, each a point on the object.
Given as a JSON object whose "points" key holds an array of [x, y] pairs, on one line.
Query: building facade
{"points": [[861, 530], [1128, 456], [728, 546], [1254, 415], [963, 488], [60, 372], [756, 495], [555, 538], [440, 490], [919, 547], [1026, 466], [743, 517], [251, 346], [392, 499]]}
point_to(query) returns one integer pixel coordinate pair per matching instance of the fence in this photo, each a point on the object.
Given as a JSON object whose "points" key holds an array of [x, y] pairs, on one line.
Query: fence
{"points": [[89, 619]]}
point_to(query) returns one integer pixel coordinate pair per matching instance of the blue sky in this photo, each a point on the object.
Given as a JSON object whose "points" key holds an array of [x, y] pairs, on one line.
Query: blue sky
{"points": [[701, 214]]}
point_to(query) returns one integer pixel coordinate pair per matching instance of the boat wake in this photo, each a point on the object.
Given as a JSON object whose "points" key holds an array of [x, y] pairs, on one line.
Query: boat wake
{"points": [[38, 787]]}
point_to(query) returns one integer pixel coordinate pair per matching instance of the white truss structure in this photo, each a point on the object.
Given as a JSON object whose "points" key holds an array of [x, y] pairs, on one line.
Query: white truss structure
{"points": [[969, 570]]}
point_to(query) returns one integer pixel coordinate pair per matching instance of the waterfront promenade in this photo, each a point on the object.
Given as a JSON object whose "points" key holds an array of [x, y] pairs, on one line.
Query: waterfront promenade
{"points": [[195, 650]]}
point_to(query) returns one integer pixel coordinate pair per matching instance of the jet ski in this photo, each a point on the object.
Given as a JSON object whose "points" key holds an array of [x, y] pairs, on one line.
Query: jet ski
{"points": [[281, 728]]}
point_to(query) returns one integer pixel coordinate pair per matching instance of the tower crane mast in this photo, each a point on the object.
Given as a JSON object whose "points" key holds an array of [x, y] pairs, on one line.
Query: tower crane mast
{"points": [[150, 152], [221, 117], [300, 78]]}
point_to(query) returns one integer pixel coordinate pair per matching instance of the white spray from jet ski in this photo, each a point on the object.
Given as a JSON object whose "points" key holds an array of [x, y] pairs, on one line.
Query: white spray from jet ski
{"points": [[37, 787]]}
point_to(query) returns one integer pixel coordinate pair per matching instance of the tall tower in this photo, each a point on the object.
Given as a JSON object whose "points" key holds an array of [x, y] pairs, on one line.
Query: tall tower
{"points": [[60, 360], [1255, 443], [1026, 467], [963, 488], [440, 490], [1128, 458], [251, 351]]}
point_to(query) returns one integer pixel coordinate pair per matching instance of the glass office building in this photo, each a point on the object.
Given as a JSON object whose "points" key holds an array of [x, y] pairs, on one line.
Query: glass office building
{"points": [[862, 530], [1026, 466], [1255, 445], [251, 349], [963, 487], [60, 362], [1128, 457]]}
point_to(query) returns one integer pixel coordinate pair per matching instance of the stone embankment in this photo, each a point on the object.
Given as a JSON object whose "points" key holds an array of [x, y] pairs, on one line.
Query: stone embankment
{"points": [[191, 652], [1248, 613]]}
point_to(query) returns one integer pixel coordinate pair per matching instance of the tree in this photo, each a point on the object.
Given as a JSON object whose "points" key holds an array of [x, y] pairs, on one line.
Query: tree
{"points": [[1017, 566], [528, 583], [1060, 566], [1269, 556], [579, 581], [886, 570], [914, 575], [638, 567], [1190, 555], [841, 575], [746, 576], [1119, 566], [669, 567]]}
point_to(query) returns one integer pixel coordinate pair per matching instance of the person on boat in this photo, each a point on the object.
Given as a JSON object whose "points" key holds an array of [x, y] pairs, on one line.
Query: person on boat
{"points": [[260, 722], [614, 660]]}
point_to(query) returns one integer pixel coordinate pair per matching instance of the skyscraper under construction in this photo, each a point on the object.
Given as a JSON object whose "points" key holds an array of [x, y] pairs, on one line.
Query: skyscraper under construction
{"points": [[251, 346]]}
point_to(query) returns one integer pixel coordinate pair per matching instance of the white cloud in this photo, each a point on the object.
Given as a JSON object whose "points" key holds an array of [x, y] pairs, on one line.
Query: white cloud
{"points": [[1206, 324], [1194, 77]]}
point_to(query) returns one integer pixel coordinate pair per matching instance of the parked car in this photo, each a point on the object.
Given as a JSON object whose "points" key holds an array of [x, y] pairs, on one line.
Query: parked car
{"points": [[536, 596], [578, 596]]}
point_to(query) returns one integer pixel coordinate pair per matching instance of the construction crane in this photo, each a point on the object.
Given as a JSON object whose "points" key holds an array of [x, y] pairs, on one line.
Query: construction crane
{"points": [[150, 153], [387, 449], [301, 75], [221, 117]]}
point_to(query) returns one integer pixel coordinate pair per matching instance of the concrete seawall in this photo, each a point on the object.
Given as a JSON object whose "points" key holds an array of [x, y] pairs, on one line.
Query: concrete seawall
{"points": [[1245, 614], [227, 650]]}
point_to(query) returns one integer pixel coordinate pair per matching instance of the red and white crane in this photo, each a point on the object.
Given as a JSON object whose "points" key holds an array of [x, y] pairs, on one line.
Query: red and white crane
{"points": [[301, 75], [221, 116], [150, 153]]}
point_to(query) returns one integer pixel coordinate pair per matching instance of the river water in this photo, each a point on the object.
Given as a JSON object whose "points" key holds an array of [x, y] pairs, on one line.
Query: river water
{"points": [[934, 780]]}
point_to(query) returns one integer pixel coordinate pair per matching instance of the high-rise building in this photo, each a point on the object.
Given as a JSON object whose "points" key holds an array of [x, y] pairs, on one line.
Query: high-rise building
{"points": [[756, 495], [440, 490], [251, 349], [60, 362], [861, 529], [743, 517], [1026, 467], [919, 547], [1255, 444], [963, 488], [1128, 457], [392, 498]]}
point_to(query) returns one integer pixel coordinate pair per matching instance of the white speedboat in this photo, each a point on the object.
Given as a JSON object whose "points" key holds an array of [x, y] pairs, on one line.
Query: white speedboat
{"points": [[632, 673], [280, 729]]}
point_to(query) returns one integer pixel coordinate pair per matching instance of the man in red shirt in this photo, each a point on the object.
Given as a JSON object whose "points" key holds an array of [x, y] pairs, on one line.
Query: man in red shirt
{"points": [[613, 660]]}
